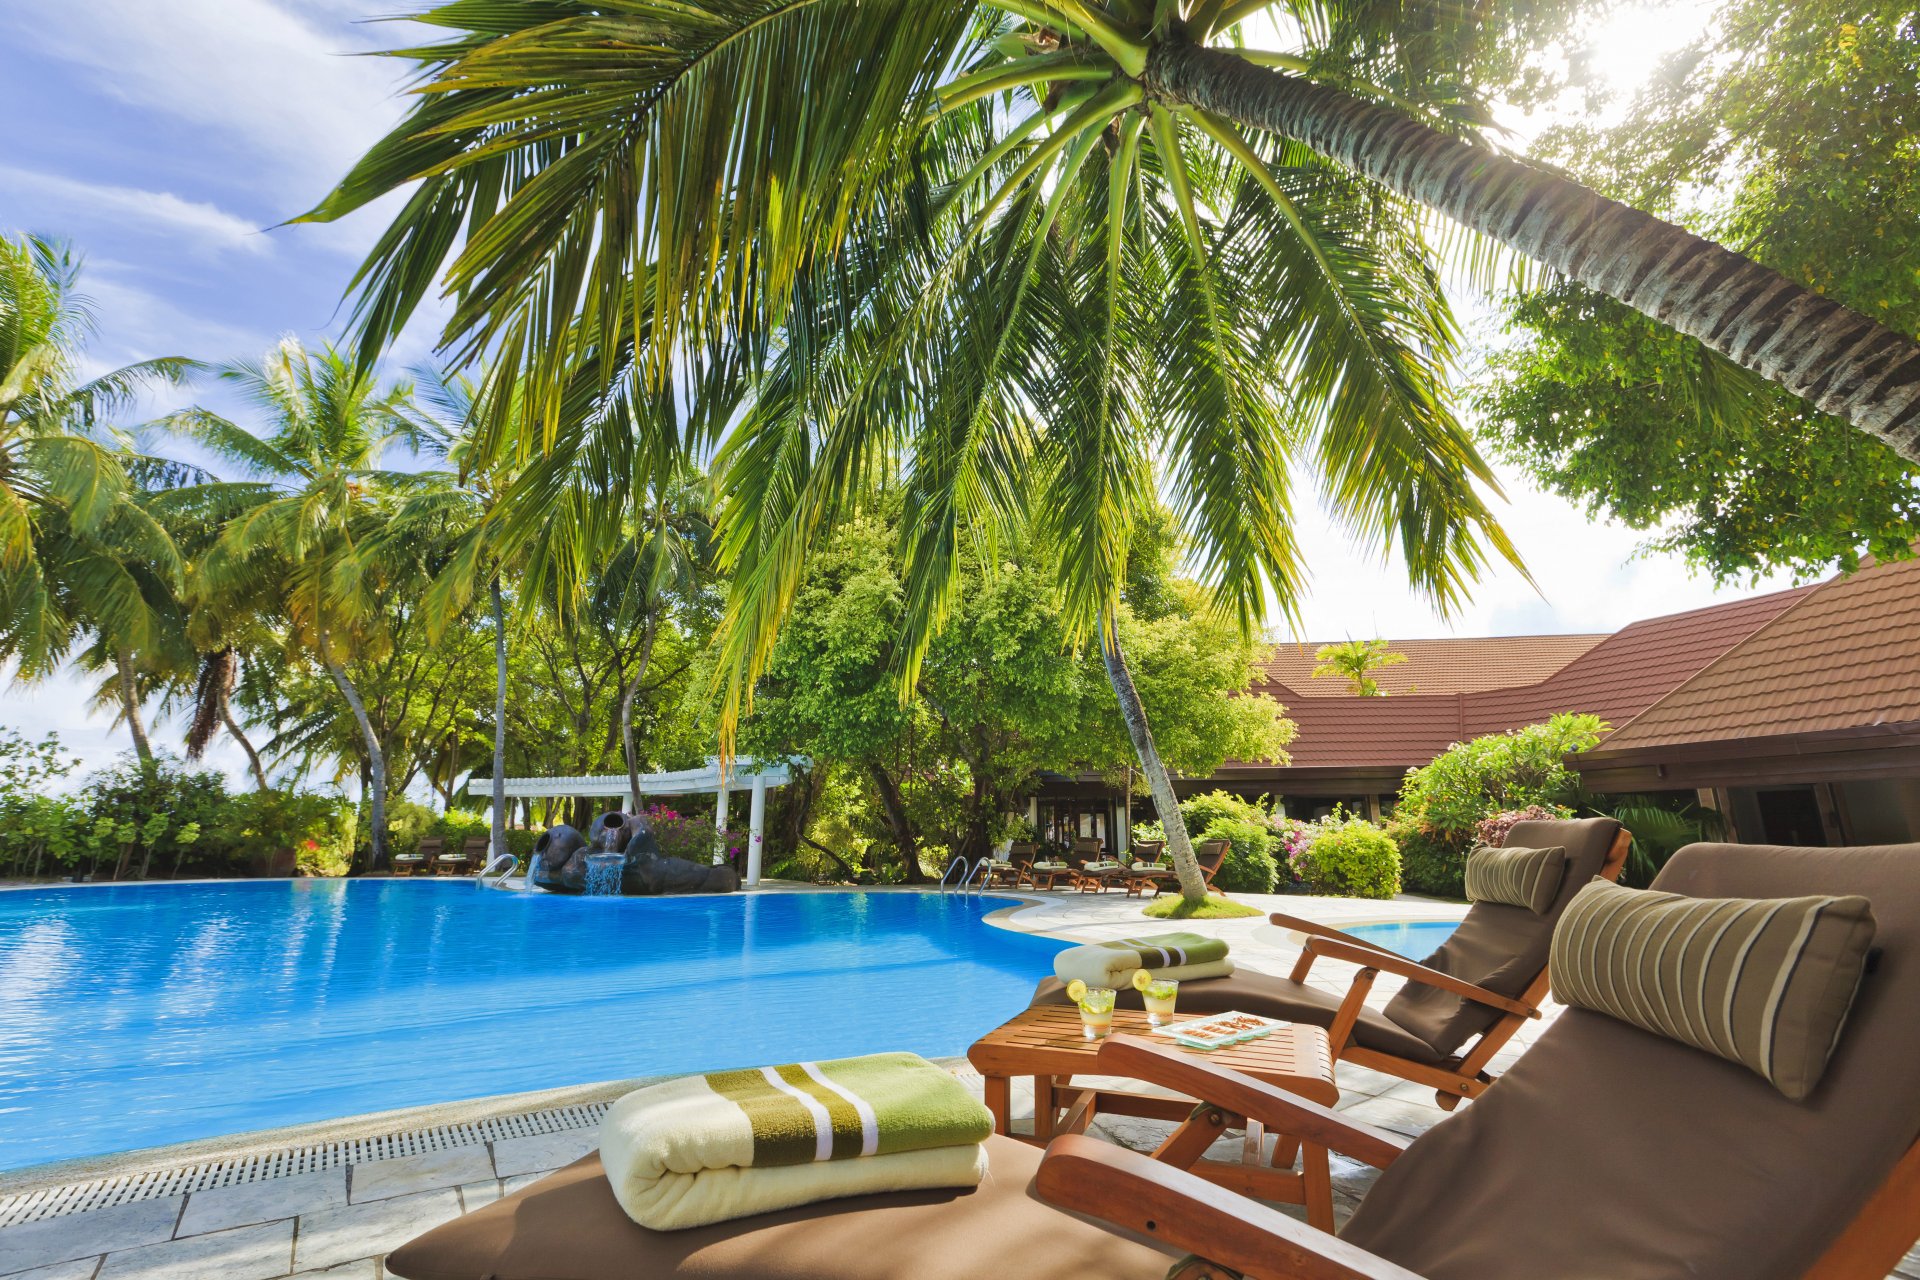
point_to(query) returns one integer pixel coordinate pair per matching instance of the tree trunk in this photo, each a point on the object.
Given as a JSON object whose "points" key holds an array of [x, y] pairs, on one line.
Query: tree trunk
{"points": [[253, 757], [130, 706], [376, 759], [896, 808], [627, 696], [1193, 885], [499, 843], [1841, 361]]}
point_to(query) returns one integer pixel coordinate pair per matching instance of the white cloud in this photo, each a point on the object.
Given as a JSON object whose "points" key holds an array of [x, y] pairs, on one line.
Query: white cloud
{"points": [[136, 210]]}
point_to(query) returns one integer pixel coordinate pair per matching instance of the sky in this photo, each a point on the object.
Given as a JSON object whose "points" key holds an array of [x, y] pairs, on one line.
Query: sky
{"points": [[168, 141]]}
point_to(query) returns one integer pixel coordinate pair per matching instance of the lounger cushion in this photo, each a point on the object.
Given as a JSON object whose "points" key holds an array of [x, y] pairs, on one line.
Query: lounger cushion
{"points": [[1609, 1153], [1249, 992], [1765, 982], [1499, 946], [569, 1227], [1519, 877]]}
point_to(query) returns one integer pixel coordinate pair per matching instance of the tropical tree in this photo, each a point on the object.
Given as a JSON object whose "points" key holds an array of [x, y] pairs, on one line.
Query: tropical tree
{"points": [[695, 160], [80, 554], [303, 524], [1355, 661]]}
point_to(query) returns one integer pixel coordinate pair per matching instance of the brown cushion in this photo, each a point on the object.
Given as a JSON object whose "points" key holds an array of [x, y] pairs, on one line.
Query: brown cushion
{"points": [[1608, 1153], [1246, 991], [1765, 982], [1500, 947], [1519, 877], [569, 1227]]}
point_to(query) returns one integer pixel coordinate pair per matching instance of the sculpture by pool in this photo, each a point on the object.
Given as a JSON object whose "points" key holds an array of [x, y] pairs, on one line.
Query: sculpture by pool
{"points": [[564, 861]]}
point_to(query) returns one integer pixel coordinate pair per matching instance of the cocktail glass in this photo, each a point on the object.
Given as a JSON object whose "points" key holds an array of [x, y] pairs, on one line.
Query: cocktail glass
{"points": [[1096, 1012], [1159, 996]]}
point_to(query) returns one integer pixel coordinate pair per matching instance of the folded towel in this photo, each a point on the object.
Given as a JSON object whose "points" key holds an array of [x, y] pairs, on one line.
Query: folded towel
{"points": [[708, 1148], [1178, 956], [1049, 866], [1102, 865]]}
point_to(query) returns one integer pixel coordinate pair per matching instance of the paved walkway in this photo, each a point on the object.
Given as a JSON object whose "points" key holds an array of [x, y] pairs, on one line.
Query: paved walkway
{"points": [[340, 1221]]}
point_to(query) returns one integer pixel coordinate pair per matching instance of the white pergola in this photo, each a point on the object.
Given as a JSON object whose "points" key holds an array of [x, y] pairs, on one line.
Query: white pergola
{"points": [[741, 774]]}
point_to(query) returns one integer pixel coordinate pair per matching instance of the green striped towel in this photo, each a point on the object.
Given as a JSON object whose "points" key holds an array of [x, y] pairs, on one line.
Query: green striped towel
{"points": [[711, 1147], [1168, 955]]}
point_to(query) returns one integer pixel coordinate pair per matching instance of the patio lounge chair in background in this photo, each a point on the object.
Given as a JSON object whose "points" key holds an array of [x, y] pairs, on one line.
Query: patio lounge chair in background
{"points": [[458, 859], [1093, 871], [421, 859], [1481, 986], [1046, 873], [1607, 1153]]}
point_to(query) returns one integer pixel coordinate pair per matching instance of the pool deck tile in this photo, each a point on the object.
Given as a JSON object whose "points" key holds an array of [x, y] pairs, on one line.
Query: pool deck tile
{"points": [[81, 1235], [218, 1208], [244, 1253], [371, 1230], [542, 1151], [81, 1269], [477, 1195], [364, 1269], [428, 1171]]}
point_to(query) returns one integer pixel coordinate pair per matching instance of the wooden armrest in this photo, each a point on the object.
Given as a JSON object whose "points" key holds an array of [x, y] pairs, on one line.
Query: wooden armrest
{"points": [[1281, 920], [1171, 1205], [1138, 1058], [1414, 971]]}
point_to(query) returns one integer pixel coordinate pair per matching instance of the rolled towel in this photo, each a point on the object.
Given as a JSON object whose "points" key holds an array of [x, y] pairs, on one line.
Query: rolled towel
{"points": [[708, 1148], [1179, 956]]}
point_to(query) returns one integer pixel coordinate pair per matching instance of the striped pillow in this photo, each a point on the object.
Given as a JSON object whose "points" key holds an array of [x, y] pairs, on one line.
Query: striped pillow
{"points": [[1764, 982], [1527, 878]]}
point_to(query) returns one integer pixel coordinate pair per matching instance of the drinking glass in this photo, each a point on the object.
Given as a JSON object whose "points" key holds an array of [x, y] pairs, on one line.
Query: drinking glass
{"points": [[1096, 1012], [1159, 996]]}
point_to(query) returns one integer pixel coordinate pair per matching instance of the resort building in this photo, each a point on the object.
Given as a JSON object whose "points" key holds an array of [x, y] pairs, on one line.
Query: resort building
{"points": [[1796, 715]]}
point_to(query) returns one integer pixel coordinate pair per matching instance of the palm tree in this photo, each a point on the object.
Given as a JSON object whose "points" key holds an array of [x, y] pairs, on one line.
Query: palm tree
{"points": [[303, 526], [696, 160], [1355, 661], [80, 554]]}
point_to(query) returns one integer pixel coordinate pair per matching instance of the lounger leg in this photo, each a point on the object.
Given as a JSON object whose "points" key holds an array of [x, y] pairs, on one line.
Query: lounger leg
{"points": [[1043, 1109], [1319, 1187]]}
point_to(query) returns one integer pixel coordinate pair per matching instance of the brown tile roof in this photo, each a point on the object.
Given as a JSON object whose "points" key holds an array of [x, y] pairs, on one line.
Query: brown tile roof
{"points": [[1846, 656], [1445, 665], [1617, 678]]}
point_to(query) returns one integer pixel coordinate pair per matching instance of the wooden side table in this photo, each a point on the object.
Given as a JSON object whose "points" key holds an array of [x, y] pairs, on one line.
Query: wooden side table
{"points": [[1048, 1043]]}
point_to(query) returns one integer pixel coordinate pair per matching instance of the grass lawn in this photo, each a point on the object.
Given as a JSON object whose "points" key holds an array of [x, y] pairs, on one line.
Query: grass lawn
{"points": [[1171, 906]]}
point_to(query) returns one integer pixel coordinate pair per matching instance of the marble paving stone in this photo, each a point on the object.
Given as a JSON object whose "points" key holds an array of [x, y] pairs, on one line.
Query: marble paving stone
{"points": [[82, 1235], [219, 1208], [333, 1236], [428, 1171], [80, 1269], [1396, 1115], [510, 1185], [244, 1253], [542, 1151], [364, 1269], [477, 1195]]}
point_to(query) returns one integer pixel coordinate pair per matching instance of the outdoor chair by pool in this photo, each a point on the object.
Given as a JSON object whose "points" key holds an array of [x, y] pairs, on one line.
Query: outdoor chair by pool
{"points": [[1093, 871], [421, 859], [1608, 1152], [1481, 986], [459, 858], [1001, 873], [1046, 873], [1147, 867]]}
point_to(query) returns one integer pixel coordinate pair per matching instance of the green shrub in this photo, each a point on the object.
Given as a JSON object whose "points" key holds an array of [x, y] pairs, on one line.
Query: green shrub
{"points": [[255, 825], [408, 823], [520, 842], [1207, 808], [1474, 780], [1349, 858], [1249, 867], [1432, 862]]}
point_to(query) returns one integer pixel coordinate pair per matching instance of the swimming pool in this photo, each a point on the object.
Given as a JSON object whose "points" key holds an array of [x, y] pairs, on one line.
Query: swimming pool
{"points": [[137, 1015], [1416, 939]]}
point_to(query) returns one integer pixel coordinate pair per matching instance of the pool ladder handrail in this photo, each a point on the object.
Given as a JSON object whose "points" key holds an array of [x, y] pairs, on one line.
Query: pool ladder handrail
{"points": [[966, 882], [499, 873]]}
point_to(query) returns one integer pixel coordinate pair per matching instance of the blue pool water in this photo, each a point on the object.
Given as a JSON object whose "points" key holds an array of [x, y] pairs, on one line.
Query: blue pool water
{"points": [[137, 1015], [1416, 939]]}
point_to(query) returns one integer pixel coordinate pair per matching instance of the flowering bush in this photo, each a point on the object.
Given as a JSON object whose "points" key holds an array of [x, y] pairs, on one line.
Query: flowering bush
{"points": [[1347, 857], [1493, 830], [694, 839]]}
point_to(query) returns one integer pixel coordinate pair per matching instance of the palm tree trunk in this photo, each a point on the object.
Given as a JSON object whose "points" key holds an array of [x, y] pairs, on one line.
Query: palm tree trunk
{"points": [[627, 696], [499, 725], [253, 757], [1841, 361], [376, 758], [1193, 885], [130, 706]]}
